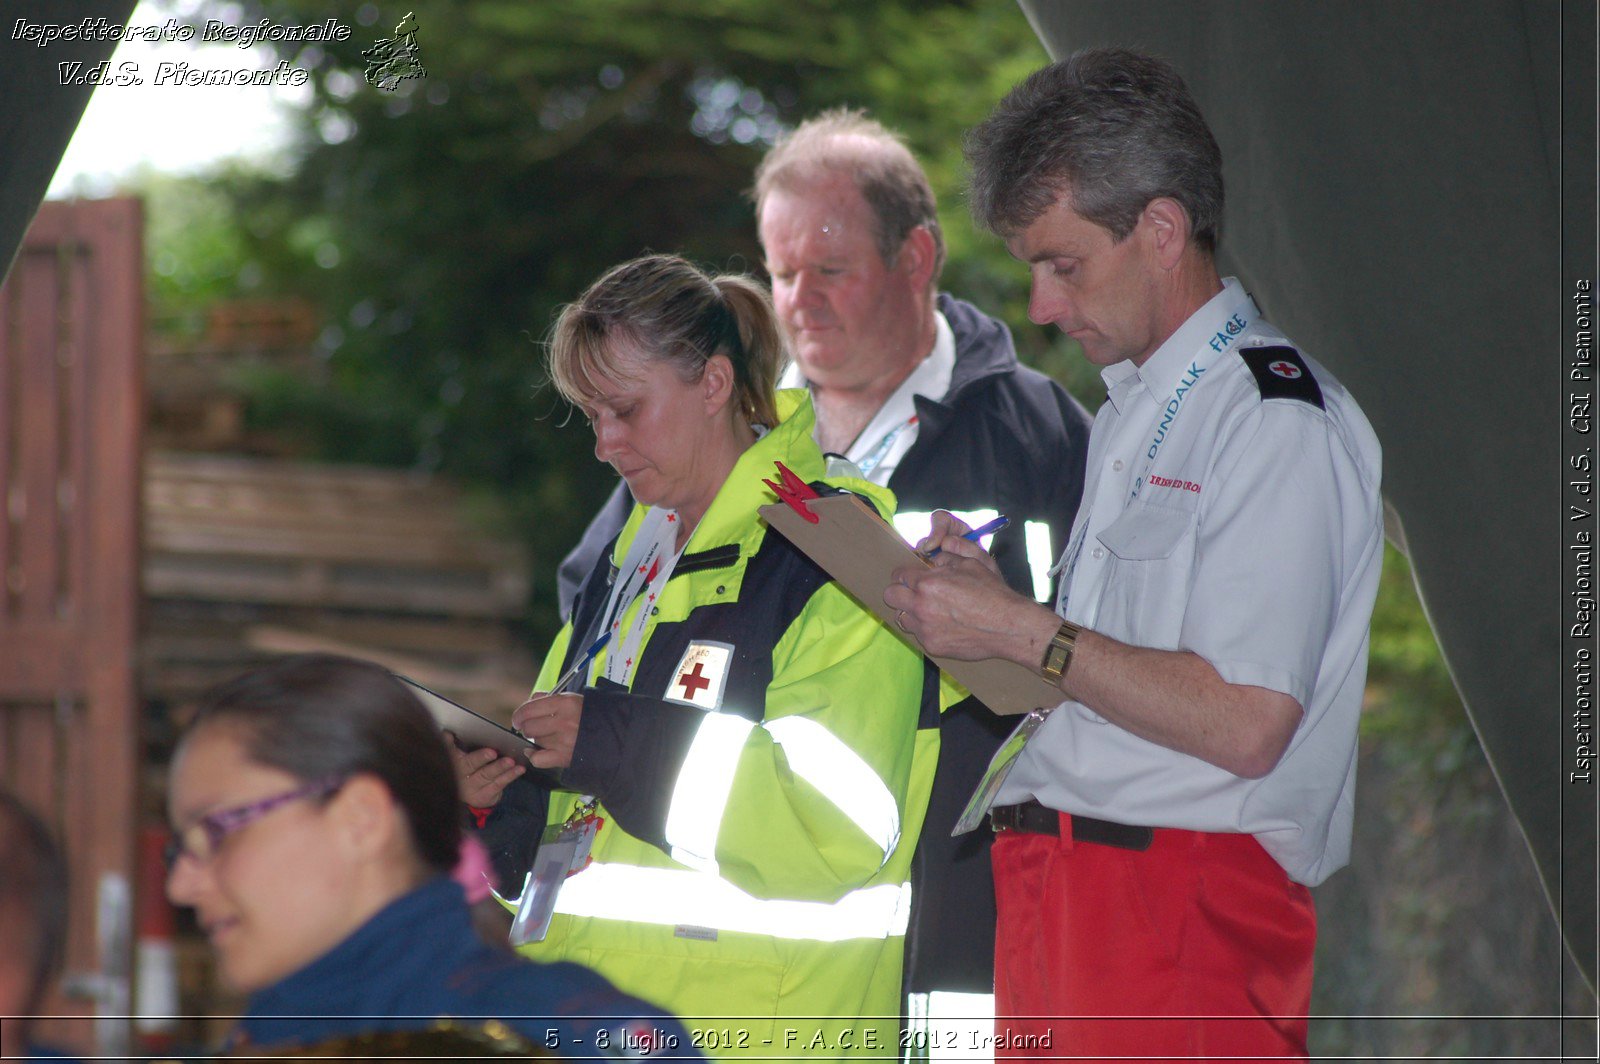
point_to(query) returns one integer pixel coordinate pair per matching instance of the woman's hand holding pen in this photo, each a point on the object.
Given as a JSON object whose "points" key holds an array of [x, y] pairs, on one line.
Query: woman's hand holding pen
{"points": [[550, 721]]}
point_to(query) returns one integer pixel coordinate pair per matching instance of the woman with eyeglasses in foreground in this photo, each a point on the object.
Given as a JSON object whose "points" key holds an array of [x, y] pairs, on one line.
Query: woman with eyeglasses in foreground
{"points": [[316, 822]]}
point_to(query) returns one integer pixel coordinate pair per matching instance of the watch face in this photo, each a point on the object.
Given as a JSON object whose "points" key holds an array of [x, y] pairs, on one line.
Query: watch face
{"points": [[1059, 653]]}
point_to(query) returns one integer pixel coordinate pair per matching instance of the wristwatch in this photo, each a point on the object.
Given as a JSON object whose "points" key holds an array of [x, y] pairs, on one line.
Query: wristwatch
{"points": [[1058, 655]]}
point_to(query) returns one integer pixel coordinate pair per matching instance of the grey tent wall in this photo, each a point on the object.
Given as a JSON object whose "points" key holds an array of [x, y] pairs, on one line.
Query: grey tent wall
{"points": [[38, 114], [1395, 204]]}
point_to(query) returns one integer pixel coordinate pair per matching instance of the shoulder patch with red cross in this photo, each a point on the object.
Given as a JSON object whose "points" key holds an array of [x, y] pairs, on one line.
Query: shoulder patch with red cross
{"points": [[701, 675], [1281, 373]]}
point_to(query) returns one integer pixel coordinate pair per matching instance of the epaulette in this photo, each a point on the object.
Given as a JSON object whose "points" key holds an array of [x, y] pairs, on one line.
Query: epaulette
{"points": [[1281, 373]]}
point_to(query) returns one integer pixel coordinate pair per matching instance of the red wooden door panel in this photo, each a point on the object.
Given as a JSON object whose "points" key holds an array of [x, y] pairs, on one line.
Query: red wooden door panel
{"points": [[70, 418]]}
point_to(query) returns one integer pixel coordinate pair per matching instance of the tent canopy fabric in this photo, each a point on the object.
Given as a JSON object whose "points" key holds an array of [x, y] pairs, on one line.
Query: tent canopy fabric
{"points": [[1400, 178], [40, 112]]}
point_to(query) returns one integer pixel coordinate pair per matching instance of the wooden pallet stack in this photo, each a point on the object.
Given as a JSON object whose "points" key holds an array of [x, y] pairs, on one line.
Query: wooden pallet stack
{"points": [[247, 558], [198, 369]]}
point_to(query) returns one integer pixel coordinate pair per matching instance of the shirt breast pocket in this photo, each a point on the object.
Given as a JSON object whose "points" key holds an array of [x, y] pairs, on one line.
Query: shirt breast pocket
{"points": [[1147, 581]]}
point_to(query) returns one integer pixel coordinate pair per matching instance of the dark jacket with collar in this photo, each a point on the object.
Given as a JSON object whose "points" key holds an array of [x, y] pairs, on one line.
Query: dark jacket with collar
{"points": [[1007, 438], [419, 959]]}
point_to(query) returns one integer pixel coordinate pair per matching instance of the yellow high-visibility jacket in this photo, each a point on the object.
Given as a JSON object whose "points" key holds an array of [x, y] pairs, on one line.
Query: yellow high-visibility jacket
{"points": [[762, 783]]}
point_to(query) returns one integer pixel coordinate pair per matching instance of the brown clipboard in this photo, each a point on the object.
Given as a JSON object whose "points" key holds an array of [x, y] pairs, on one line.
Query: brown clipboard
{"points": [[861, 551]]}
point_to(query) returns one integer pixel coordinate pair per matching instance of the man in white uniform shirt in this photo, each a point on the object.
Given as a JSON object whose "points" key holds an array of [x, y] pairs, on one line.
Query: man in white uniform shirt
{"points": [[1157, 830]]}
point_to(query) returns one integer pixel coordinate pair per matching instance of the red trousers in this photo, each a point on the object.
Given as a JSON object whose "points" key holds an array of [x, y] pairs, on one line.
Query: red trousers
{"points": [[1195, 949]]}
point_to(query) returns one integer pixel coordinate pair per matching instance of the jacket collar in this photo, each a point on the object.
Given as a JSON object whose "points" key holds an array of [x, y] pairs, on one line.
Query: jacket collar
{"points": [[984, 347], [731, 516], [387, 950]]}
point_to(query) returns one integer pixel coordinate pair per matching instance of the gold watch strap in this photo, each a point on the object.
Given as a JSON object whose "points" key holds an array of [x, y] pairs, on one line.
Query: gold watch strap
{"points": [[1058, 655]]}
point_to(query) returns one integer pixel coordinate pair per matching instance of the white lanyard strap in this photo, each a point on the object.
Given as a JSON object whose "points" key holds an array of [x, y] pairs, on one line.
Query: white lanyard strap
{"points": [[645, 571], [1166, 418], [871, 460]]}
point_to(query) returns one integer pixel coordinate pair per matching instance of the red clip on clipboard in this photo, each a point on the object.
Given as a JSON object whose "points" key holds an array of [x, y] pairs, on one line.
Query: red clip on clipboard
{"points": [[794, 491]]}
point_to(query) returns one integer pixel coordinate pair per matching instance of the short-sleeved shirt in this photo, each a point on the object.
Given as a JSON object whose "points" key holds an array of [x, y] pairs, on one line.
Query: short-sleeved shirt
{"points": [[1253, 537]]}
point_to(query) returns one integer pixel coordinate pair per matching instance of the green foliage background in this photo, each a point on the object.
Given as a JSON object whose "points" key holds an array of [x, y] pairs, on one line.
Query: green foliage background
{"points": [[438, 228]]}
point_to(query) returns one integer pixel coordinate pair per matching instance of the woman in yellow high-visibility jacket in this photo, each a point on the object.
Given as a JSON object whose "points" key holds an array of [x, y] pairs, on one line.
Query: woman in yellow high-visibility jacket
{"points": [[747, 760]]}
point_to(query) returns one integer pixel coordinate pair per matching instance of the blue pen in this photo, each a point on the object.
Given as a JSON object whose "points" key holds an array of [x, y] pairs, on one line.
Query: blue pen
{"points": [[579, 666], [978, 533]]}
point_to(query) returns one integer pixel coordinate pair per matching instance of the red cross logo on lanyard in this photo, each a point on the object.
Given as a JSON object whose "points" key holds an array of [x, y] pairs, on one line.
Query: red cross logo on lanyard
{"points": [[693, 682], [1286, 370]]}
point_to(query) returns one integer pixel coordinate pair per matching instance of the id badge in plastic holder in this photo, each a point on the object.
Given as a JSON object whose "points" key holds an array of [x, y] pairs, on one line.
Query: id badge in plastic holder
{"points": [[563, 851], [999, 769]]}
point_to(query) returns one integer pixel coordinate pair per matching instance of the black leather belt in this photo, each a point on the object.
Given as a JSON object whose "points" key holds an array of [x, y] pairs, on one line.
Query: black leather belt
{"points": [[1031, 816]]}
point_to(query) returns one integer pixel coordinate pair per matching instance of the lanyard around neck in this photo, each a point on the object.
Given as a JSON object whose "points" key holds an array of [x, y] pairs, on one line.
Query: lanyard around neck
{"points": [[645, 571], [1166, 419], [875, 457]]}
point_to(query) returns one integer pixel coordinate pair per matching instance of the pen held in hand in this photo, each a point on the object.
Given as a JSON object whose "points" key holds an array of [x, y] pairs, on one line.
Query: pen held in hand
{"points": [[579, 666], [976, 534]]}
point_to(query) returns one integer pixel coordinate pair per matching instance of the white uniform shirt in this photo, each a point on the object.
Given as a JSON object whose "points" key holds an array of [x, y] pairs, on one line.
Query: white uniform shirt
{"points": [[878, 448], [1254, 539]]}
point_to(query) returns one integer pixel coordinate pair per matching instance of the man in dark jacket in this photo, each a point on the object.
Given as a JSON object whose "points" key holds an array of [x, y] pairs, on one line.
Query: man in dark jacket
{"points": [[924, 393]]}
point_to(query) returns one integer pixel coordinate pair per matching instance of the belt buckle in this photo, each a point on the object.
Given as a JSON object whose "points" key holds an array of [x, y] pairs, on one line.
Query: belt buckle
{"points": [[1005, 818]]}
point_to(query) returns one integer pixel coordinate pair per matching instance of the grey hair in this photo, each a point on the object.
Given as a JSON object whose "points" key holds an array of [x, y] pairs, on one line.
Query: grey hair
{"points": [[1109, 128], [891, 181]]}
